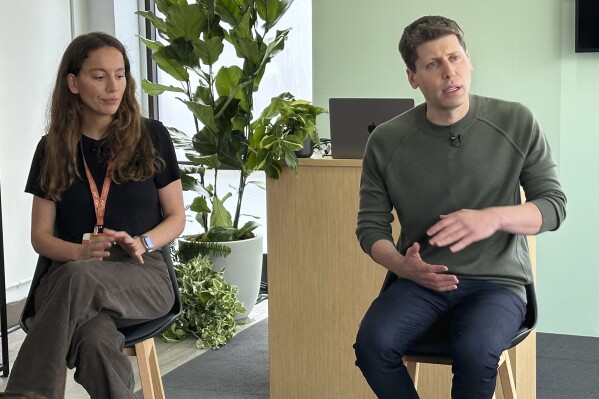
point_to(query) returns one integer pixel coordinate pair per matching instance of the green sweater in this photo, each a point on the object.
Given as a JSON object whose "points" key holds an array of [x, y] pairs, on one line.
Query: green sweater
{"points": [[410, 166]]}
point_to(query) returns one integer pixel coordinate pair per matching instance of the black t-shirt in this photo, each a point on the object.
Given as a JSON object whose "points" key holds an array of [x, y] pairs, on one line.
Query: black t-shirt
{"points": [[131, 206]]}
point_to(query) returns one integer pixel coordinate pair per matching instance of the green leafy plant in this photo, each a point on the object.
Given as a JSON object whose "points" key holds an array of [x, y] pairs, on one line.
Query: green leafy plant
{"points": [[209, 305], [220, 99]]}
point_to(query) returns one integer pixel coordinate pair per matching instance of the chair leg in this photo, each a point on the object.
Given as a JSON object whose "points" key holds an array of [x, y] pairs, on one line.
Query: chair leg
{"points": [[413, 369], [507, 377], [149, 371]]}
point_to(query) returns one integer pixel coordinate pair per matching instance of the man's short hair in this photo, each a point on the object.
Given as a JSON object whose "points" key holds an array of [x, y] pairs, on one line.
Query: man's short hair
{"points": [[423, 30]]}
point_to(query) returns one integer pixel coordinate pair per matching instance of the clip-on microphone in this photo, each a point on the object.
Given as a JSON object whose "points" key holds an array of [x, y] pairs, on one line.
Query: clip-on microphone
{"points": [[455, 141]]}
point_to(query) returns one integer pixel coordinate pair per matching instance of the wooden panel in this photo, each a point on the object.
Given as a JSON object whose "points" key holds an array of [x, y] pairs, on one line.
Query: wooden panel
{"points": [[320, 284]]}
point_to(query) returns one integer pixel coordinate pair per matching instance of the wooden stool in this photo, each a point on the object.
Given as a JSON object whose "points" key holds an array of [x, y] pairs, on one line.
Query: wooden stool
{"points": [[149, 370], [505, 375]]}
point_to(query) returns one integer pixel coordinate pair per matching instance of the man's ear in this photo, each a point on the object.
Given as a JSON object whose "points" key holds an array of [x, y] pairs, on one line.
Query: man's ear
{"points": [[470, 61], [72, 83], [411, 79]]}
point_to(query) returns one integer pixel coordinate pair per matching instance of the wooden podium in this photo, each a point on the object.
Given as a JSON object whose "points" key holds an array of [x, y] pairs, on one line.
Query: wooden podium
{"points": [[320, 284]]}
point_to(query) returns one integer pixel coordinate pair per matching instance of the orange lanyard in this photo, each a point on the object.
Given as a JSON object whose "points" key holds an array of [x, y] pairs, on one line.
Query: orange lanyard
{"points": [[99, 199]]}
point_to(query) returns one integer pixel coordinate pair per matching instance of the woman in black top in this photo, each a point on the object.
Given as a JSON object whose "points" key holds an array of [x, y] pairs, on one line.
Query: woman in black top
{"points": [[107, 192]]}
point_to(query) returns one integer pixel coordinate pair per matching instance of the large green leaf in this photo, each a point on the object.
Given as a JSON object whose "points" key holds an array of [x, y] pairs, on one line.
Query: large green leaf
{"points": [[273, 170], [153, 45], [199, 204], [187, 21], [205, 141], [210, 50], [204, 113], [228, 83], [164, 5], [180, 139], [203, 94], [226, 79], [249, 50], [156, 21], [231, 11], [208, 160], [274, 47], [190, 183], [291, 142], [154, 89], [182, 50], [170, 66], [220, 216], [271, 11]]}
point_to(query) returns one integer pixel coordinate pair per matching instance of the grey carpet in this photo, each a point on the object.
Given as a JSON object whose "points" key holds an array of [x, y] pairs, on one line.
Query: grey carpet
{"points": [[238, 370], [567, 368]]}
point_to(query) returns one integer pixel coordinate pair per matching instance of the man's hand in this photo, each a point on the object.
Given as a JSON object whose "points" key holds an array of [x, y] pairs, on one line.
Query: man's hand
{"points": [[460, 229], [430, 276]]}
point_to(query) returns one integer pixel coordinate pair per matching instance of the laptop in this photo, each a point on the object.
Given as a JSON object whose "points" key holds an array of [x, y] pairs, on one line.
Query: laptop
{"points": [[353, 119]]}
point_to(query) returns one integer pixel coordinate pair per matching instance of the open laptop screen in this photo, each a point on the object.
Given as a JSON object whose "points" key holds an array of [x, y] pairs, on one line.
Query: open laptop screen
{"points": [[352, 120]]}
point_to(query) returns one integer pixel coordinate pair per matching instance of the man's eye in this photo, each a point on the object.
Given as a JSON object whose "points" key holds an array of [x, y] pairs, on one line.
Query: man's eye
{"points": [[432, 65], [99, 77]]}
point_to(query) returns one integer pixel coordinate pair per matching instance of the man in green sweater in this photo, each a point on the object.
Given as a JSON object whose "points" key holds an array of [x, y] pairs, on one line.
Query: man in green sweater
{"points": [[452, 169]]}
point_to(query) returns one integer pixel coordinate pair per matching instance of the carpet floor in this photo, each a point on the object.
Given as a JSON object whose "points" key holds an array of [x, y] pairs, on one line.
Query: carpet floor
{"points": [[567, 368], [238, 370]]}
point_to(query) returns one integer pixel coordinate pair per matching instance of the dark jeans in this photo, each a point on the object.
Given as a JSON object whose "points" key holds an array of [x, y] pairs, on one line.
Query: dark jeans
{"points": [[484, 318]]}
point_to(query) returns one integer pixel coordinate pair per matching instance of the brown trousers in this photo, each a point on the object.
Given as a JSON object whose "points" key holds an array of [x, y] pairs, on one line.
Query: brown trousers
{"points": [[79, 306]]}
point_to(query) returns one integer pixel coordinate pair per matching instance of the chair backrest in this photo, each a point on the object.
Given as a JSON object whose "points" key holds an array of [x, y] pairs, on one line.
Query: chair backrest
{"points": [[133, 334]]}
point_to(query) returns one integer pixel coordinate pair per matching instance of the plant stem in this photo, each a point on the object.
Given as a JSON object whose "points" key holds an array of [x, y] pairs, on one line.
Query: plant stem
{"points": [[240, 191]]}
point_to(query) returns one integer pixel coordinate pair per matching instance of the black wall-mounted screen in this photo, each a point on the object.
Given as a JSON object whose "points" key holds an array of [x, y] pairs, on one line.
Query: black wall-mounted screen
{"points": [[587, 26]]}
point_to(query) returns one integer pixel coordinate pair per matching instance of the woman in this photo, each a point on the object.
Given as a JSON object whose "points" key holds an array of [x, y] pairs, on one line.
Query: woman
{"points": [[107, 192]]}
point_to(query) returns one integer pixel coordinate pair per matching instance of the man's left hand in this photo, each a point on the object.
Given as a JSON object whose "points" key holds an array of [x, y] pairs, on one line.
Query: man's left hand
{"points": [[460, 229]]}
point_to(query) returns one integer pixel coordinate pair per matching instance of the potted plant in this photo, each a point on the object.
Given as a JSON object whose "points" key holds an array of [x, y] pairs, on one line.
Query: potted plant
{"points": [[220, 100], [209, 305]]}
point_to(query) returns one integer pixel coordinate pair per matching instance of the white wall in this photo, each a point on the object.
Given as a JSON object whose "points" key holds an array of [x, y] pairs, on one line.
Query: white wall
{"points": [[31, 47]]}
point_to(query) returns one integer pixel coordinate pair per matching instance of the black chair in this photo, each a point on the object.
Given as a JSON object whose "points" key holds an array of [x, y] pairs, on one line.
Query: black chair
{"points": [[434, 347], [139, 341]]}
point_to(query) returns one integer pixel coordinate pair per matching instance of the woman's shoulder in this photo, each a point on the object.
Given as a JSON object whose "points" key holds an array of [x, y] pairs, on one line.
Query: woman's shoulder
{"points": [[153, 126], [156, 130]]}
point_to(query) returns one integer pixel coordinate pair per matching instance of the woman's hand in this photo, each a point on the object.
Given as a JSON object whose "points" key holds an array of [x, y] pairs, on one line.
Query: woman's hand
{"points": [[132, 245], [98, 245]]}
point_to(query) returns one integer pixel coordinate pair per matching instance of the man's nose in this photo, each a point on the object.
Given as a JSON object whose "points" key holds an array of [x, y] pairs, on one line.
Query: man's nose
{"points": [[448, 70]]}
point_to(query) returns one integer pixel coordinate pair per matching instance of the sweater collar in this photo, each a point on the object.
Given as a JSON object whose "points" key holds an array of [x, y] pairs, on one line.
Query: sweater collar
{"points": [[460, 125]]}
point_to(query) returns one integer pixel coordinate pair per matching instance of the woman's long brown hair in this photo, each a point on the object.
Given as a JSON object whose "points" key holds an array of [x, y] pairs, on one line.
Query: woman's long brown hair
{"points": [[131, 150]]}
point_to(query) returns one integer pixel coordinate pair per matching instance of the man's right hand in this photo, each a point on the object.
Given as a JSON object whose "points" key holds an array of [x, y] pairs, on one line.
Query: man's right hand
{"points": [[412, 267]]}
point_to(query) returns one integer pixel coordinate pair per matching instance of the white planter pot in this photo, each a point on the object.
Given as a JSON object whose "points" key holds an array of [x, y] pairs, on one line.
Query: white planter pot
{"points": [[243, 269]]}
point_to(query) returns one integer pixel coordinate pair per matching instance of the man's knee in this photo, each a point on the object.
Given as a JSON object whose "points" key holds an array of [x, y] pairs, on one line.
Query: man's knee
{"points": [[376, 346], [476, 358]]}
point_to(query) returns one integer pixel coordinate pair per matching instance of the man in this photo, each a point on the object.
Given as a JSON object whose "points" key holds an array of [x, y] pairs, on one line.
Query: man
{"points": [[452, 169]]}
